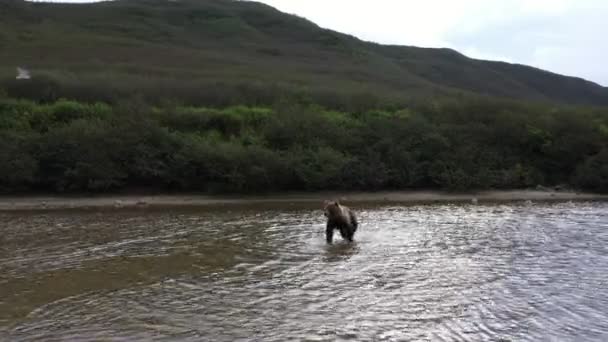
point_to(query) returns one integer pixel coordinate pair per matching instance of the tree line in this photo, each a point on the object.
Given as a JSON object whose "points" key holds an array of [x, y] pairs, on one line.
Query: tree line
{"points": [[461, 144]]}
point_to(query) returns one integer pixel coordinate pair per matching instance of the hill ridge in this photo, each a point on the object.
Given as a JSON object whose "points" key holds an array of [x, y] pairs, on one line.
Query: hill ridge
{"points": [[248, 41]]}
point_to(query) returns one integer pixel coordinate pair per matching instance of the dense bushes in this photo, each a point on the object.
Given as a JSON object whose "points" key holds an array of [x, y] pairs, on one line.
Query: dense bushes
{"points": [[68, 146], [18, 165], [593, 173]]}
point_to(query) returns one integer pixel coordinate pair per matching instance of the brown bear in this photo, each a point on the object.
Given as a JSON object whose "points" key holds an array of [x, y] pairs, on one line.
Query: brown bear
{"points": [[342, 218]]}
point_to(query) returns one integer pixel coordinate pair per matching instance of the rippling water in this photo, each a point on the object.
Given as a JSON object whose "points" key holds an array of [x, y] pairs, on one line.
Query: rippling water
{"points": [[420, 273]]}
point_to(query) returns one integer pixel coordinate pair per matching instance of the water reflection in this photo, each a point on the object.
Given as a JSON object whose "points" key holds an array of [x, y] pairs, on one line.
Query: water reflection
{"points": [[341, 251], [440, 273]]}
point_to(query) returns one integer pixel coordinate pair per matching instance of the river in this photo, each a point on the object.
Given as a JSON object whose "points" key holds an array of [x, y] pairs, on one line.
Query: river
{"points": [[510, 272]]}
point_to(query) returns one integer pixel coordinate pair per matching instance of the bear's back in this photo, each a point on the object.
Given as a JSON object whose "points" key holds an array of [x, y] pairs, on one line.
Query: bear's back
{"points": [[339, 214]]}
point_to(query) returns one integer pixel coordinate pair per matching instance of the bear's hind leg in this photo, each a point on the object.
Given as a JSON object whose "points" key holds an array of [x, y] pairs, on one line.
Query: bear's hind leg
{"points": [[329, 233], [347, 233], [344, 232], [350, 234]]}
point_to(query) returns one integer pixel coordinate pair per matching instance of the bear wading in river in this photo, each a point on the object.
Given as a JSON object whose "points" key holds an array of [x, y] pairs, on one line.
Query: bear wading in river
{"points": [[342, 218]]}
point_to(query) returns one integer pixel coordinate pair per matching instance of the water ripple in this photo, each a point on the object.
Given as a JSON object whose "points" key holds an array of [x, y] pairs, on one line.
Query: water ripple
{"points": [[440, 273]]}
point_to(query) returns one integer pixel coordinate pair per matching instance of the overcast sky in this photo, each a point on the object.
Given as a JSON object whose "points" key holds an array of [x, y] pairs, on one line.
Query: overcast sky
{"points": [[564, 36]]}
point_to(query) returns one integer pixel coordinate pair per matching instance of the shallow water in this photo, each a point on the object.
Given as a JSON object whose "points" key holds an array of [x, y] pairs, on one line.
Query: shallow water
{"points": [[422, 273]]}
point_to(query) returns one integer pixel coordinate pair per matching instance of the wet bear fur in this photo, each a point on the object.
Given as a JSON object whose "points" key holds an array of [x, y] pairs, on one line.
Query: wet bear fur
{"points": [[342, 218]]}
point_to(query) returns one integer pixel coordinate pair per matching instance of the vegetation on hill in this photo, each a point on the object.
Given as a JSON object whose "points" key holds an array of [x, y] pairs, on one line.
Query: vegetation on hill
{"points": [[461, 145], [185, 49], [225, 96]]}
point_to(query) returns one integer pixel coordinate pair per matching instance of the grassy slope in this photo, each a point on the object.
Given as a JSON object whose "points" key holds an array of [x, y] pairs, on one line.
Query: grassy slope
{"points": [[247, 41]]}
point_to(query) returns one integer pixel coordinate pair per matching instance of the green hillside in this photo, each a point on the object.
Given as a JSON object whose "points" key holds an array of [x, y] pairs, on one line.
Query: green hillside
{"points": [[220, 96], [185, 48]]}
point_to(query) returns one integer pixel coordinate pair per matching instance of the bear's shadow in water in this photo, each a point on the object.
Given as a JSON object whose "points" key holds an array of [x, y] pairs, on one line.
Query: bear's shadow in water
{"points": [[340, 251]]}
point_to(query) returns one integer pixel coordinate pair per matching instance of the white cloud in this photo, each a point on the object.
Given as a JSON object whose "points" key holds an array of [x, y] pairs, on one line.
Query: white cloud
{"points": [[563, 36], [420, 23]]}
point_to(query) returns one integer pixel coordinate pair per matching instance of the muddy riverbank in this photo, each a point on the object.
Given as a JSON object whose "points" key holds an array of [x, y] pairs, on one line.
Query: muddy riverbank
{"points": [[8, 203]]}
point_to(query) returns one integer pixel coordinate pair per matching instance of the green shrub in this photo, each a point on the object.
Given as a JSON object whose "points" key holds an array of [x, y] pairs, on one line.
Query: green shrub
{"points": [[18, 165], [592, 175], [83, 155], [67, 145]]}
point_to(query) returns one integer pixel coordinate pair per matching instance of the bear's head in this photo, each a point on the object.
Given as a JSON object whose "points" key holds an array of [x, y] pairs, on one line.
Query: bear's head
{"points": [[332, 209]]}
